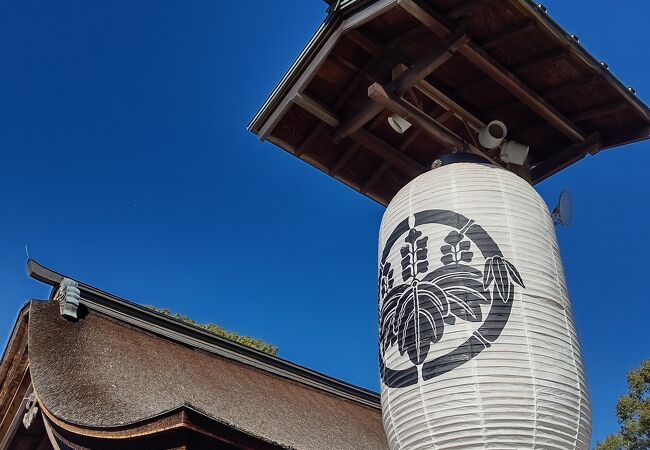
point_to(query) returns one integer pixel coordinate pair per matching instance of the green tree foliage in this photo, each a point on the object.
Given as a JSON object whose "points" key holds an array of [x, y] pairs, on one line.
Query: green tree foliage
{"points": [[633, 411], [212, 328]]}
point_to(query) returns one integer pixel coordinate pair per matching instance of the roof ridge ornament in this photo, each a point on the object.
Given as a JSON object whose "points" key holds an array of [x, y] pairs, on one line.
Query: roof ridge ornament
{"points": [[68, 296]]}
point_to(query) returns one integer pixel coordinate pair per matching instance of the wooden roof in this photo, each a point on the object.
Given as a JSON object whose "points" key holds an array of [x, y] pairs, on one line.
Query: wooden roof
{"points": [[123, 373], [449, 66]]}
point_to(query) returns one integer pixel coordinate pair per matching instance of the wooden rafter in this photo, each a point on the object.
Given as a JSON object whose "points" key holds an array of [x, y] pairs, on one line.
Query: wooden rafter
{"points": [[414, 77], [629, 138], [428, 63], [520, 90], [450, 104], [358, 120], [345, 62], [405, 81], [374, 47], [351, 183], [428, 17], [415, 32], [315, 107], [388, 152], [398, 105], [365, 138], [477, 56], [541, 60], [369, 44], [306, 143], [429, 125], [465, 8], [413, 135], [599, 111], [359, 77], [354, 148], [549, 94], [436, 94], [567, 88], [505, 36], [565, 158]]}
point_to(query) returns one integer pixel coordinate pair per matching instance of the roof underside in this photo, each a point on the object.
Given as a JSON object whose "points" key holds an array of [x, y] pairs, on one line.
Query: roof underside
{"points": [[450, 66]]}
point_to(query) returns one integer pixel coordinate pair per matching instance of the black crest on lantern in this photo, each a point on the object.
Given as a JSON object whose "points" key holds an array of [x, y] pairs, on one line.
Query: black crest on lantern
{"points": [[414, 313]]}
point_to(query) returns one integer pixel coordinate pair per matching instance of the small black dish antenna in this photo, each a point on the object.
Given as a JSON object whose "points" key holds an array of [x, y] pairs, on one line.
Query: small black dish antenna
{"points": [[563, 212]]}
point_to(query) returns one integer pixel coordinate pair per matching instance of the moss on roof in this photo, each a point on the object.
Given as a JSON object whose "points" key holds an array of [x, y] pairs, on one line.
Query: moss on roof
{"points": [[212, 328]]}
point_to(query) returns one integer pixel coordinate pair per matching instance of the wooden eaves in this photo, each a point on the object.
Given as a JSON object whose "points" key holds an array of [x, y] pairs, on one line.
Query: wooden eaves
{"points": [[449, 67]]}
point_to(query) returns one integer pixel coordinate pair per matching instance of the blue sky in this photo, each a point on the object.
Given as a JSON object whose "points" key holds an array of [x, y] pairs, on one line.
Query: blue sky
{"points": [[126, 164]]}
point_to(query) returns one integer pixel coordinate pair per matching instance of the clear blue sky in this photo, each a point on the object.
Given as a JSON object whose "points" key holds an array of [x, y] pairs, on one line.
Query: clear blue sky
{"points": [[126, 164]]}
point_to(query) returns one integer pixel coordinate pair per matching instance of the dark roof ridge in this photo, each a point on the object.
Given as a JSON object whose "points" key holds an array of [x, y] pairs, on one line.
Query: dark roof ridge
{"points": [[141, 317]]}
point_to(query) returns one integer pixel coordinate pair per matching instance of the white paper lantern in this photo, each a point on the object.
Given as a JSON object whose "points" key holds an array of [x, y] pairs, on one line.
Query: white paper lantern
{"points": [[478, 348]]}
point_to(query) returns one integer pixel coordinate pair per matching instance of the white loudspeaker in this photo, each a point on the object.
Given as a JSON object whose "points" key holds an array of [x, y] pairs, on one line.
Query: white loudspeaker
{"points": [[399, 123], [514, 152], [492, 134]]}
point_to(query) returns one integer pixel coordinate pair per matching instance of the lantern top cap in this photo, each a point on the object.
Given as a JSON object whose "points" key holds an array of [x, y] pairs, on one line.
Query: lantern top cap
{"points": [[462, 157]]}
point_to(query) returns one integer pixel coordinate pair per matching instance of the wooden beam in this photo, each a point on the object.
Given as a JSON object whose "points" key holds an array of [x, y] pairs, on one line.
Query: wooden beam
{"points": [[482, 82], [413, 135], [340, 101], [349, 90], [362, 75], [507, 79], [431, 19], [416, 116], [370, 46], [405, 81], [343, 159], [388, 152], [450, 104], [565, 158], [549, 94], [307, 158], [352, 150], [465, 8], [430, 91], [304, 145], [510, 33], [542, 60], [578, 117], [368, 185], [413, 33], [345, 62], [628, 138], [424, 86], [428, 63], [600, 111], [323, 112], [400, 106], [567, 88], [358, 120], [520, 90]]}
